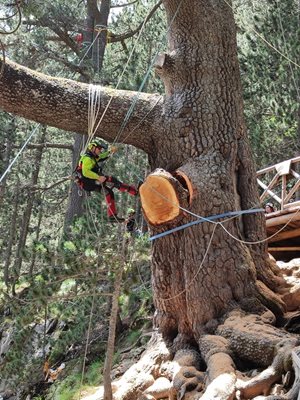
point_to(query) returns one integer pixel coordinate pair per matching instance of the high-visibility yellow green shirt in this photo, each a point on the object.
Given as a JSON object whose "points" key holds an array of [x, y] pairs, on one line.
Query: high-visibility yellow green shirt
{"points": [[89, 164]]}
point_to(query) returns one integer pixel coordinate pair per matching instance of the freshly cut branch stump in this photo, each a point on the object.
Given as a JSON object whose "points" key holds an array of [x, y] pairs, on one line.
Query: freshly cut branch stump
{"points": [[162, 195]]}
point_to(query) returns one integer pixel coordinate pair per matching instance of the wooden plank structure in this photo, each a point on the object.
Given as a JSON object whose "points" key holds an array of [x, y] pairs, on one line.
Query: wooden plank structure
{"points": [[280, 185]]}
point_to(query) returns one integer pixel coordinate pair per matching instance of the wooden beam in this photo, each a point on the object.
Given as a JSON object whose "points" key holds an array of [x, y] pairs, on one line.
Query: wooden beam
{"points": [[292, 205], [283, 168], [269, 169], [295, 174], [271, 184], [291, 192], [283, 219], [292, 208], [285, 235], [265, 187], [296, 248], [283, 190]]}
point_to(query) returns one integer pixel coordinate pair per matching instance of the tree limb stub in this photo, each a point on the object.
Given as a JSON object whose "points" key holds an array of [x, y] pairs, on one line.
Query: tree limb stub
{"points": [[63, 103], [164, 65], [162, 195]]}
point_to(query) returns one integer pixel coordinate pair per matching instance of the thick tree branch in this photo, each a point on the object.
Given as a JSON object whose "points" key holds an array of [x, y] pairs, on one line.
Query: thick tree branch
{"points": [[63, 103], [63, 35], [76, 68], [123, 5], [48, 145], [120, 38], [57, 183]]}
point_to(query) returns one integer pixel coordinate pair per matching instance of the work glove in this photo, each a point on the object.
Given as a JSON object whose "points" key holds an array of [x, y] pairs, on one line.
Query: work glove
{"points": [[101, 179]]}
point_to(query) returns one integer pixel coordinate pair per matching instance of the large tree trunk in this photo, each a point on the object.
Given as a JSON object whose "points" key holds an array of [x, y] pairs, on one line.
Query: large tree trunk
{"points": [[205, 139], [98, 22], [206, 280]]}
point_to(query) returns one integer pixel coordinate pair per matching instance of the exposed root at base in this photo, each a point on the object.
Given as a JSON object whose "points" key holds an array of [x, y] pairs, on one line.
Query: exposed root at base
{"points": [[262, 383], [158, 375]]}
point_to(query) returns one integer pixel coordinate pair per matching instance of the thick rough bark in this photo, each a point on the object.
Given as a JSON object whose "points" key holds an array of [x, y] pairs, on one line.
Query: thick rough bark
{"points": [[262, 383], [214, 294], [64, 104], [203, 115]]}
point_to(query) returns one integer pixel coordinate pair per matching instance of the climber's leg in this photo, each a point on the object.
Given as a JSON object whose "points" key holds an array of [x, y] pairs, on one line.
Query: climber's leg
{"points": [[122, 187], [110, 202]]}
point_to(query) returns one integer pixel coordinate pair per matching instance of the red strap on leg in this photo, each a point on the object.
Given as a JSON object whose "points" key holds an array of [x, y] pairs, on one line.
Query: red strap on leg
{"points": [[126, 188], [110, 202], [133, 191]]}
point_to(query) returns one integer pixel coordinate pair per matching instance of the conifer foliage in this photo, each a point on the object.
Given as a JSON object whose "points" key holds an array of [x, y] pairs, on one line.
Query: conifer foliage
{"points": [[57, 283], [51, 277], [269, 57]]}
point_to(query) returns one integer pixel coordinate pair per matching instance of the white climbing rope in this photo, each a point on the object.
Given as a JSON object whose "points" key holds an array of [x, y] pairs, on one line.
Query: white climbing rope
{"points": [[19, 153], [37, 126], [92, 113], [94, 104]]}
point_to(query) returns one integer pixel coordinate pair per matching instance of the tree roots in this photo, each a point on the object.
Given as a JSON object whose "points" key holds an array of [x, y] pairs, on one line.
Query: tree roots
{"points": [[212, 374], [262, 383]]}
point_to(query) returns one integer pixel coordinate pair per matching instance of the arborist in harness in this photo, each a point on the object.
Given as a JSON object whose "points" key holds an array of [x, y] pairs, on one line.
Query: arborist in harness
{"points": [[89, 176]]}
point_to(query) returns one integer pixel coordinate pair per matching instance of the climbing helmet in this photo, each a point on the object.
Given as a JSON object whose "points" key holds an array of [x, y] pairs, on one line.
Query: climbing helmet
{"points": [[97, 143]]}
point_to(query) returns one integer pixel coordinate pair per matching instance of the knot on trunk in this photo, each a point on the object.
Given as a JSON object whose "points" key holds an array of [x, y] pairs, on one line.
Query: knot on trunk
{"points": [[164, 67], [164, 63], [163, 195]]}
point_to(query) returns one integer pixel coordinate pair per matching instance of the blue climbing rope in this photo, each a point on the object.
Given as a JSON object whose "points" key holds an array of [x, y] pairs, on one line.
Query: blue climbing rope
{"points": [[210, 218]]}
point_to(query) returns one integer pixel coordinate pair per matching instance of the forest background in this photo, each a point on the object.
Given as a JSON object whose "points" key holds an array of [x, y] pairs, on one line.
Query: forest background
{"points": [[59, 256]]}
